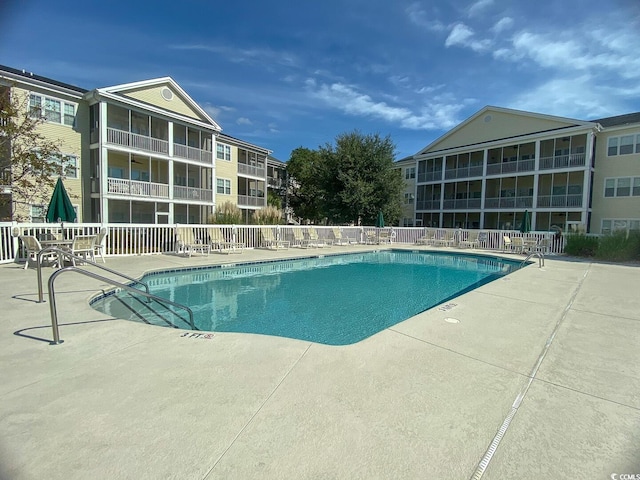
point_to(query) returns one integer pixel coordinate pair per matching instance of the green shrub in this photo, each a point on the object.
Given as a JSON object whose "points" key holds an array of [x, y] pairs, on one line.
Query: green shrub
{"points": [[226, 214], [619, 247], [581, 245], [267, 216]]}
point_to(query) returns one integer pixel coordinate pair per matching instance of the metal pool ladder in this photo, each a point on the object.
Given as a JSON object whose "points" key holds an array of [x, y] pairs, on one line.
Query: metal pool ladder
{"points": [[52, 298], [540, 257]]}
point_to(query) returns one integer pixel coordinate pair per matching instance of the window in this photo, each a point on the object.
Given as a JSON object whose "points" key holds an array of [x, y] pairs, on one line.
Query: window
{"points": [[623, 145], [609, 187], [223, 186], [223, 152], [622, 187], [410, 173], [66, 165], [610, 226], [52, 109], [408, 198], [38, 214]]}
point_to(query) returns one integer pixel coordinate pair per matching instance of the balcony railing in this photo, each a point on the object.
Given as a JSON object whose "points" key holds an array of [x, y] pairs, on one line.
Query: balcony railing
{"points": [[527, 165], [563, 161], [464, 172], [508, 202], [134, 188], [461, 204], [560, 201], [140, 142], [428, 205], [247, 201], [434, 176], [251, 170], [191, 153], [191, 193]]}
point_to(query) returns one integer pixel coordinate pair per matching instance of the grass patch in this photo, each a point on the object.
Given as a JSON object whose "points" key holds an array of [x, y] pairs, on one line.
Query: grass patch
{"points": [[618, 247]]}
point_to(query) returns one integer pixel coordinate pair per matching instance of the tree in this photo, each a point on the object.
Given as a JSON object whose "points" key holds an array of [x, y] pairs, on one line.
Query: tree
{"points": [[306, 171], [349, 182], [32, 161]]}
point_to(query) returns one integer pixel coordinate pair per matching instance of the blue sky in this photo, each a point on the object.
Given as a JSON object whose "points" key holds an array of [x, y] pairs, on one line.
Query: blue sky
{"points": [[284, 74]]}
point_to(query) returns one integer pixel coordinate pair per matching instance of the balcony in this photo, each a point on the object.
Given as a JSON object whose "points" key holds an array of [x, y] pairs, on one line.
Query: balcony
{"points": [[119, 186], [527, 165], [461, 204], [464, 172], [550, 201], [259, 172], [139, 142], [434, 176], [191, 193], [428, 205], [563, 161], [508, 202], [191, 153], [248, 201]]}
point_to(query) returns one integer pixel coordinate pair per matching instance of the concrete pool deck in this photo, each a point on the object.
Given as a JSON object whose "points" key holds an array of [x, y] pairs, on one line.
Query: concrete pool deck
{"points": [[556, 350]]}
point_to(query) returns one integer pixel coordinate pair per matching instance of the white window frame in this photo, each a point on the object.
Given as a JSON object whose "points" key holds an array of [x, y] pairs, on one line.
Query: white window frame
{"points": [[613, 183], [409, 173], [226, 186], [611, 225], [67, 165], [41, 213], [38, 108], [616, 150], [223, 152]]}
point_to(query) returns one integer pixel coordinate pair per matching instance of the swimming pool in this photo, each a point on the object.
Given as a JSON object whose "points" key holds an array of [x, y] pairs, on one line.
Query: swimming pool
{"points": [[330, 299]]}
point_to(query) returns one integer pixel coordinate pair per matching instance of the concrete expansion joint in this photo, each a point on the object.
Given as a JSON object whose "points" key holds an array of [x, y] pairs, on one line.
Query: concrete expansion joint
{"points": [[493, 446]]}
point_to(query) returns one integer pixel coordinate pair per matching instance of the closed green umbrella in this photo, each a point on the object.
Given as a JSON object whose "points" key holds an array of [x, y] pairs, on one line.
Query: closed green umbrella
{"points": [[60, 207], [380, 220], [525, 226]]}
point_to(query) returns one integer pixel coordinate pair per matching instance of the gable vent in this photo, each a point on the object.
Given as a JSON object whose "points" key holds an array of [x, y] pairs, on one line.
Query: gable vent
{"points": [[167, 94]]}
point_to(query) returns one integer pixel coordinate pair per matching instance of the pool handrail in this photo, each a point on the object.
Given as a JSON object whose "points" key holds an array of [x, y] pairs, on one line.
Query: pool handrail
{"points": [[52, 299], [69, 255]]}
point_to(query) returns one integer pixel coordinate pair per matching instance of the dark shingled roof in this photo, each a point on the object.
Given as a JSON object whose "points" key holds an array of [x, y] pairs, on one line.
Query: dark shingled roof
{"points": [[39, 78], [625, 119]]}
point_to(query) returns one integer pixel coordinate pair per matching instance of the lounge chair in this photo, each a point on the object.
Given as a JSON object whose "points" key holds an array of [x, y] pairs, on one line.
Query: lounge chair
{"points": [[33, 247], [447, 240], [384, 236], [471, 241], [543, 246], [83, 246], [269, 240], [339, 239], [428, 238], [506, 243], [99, 245], [219, 244], [299, 240], [314, 238], [517, 244], [187, 244], [370, 237]]}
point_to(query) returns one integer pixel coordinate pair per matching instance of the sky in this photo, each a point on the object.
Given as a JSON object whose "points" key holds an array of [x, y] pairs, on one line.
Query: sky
{"points": [[284, 74]]}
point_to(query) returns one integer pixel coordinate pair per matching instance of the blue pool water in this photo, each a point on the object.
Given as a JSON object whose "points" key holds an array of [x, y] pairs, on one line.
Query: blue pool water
{"points": [[335, 300]]}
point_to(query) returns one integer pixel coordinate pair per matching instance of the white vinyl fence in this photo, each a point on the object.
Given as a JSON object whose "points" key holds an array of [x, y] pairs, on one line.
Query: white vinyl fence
{"points": [[142, 239]]}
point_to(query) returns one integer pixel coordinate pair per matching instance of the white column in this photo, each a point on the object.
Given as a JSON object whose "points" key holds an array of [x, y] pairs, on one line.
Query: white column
{"points": [[587, 179], [483, 194], [103, 159]]}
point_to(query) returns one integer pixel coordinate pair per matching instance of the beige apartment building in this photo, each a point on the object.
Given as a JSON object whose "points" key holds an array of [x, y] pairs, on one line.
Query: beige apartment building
{"points": [[145, 152], [568, 174]]}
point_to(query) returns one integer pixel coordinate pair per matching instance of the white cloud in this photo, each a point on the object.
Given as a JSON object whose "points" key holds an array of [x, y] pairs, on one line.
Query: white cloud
{"points": [[478, 6], [418, 16], [462, 35], [435, 116], [244, 121], [261, 56], [505, 23]]}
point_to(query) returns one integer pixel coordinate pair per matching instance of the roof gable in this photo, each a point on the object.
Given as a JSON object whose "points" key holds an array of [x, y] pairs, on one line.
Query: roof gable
{"points": [[162, 93], [495, 123]]}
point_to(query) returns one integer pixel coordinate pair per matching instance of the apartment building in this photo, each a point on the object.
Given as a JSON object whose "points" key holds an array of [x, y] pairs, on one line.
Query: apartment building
{"points": [[569, 174], [146, 152]]}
